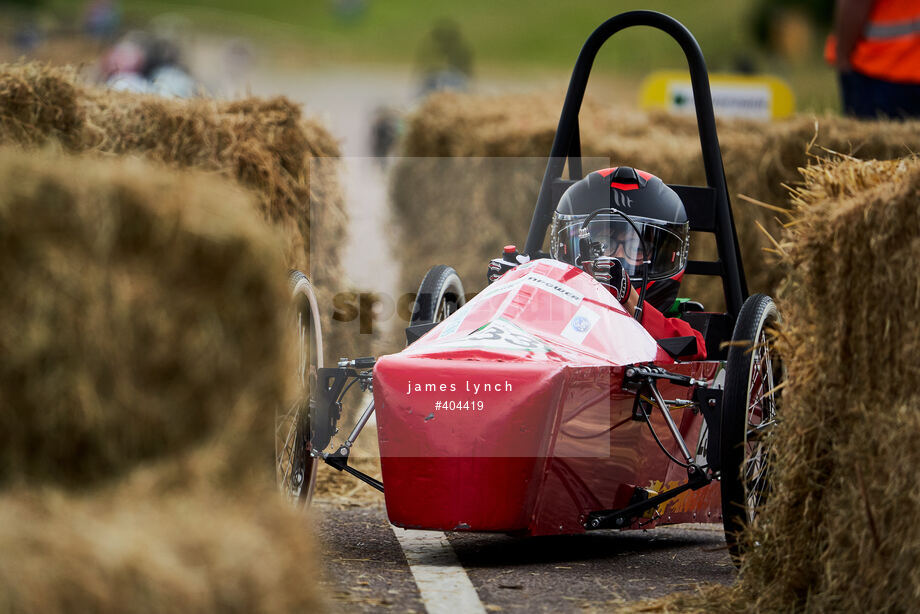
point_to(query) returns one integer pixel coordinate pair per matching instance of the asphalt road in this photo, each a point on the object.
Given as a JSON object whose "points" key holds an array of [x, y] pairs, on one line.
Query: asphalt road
{"points": [[367, 571]]}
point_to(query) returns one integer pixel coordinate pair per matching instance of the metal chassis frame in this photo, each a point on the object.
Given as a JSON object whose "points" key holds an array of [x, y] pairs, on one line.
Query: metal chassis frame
{"points": [[567, 145], [637, 379], [345, 376]]}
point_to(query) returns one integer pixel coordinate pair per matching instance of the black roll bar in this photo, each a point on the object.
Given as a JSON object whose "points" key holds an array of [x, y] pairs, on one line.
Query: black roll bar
{"points": [[566, 144]]}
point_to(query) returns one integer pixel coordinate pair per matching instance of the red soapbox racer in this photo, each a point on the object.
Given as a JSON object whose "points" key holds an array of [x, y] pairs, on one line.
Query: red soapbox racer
{"points": [[541, 406]]}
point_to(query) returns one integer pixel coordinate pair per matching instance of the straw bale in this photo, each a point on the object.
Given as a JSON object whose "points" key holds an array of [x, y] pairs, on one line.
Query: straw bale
{"points": [[460, 125], [759, 160], [117, 553], [265, 145], [143, 315], [784, 154], [289, 162], [38, 105], [842, 531]]}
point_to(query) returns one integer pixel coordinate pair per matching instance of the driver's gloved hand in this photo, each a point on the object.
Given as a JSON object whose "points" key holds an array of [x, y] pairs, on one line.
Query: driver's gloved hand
{"points": [[498, 267], [609, 272]]}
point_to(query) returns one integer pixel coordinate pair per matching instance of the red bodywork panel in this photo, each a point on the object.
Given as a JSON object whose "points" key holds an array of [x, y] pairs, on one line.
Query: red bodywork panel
{"points": [[510, 415]]}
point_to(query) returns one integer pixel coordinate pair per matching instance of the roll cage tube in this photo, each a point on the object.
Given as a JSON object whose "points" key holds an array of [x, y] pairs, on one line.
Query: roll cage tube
{"points": [[567, 143]]}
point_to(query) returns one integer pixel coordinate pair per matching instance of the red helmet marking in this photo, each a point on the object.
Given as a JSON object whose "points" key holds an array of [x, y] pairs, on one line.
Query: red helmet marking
{"points": [[606, 171], [624, 186]]}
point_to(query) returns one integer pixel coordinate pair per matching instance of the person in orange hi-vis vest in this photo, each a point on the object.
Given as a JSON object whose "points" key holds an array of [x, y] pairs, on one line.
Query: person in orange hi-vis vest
{"points": [[875, 46]]}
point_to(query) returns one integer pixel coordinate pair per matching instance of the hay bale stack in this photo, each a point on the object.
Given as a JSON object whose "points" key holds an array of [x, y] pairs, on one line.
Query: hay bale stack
{"points": [[463, 125], [841, 530], [502, 143], [287, 161], [38, 105], [143, 334], [784, 155], [143, 315], [488, 204], [115, 553], [265, 145]]}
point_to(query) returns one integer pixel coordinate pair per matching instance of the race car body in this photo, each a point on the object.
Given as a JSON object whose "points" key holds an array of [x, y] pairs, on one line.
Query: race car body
{"points": [[511, 414]]}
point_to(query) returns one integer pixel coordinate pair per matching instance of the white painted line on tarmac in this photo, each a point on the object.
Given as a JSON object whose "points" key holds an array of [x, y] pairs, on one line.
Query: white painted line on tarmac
{"points": [[444, 585]]}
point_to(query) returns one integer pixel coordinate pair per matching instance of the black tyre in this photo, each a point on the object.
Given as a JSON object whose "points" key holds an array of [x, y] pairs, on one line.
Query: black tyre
{"points": [[295, 466], [439, 295], [749, 402]]}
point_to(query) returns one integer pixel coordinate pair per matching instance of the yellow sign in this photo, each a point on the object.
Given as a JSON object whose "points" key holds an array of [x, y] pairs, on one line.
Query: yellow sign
{"points": [[754, 97]]}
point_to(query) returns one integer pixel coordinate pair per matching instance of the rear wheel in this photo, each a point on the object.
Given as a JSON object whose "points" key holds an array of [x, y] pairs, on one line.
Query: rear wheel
{"points": [[753, 373], [295, 466], [439, 295]]}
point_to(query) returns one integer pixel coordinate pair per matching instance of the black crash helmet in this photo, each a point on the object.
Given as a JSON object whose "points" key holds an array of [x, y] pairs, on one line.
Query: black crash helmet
{"points": [[656, 210]]}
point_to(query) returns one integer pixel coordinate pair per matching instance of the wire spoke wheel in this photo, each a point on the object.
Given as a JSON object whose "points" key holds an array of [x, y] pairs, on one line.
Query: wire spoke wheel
{"points": [[444, 309], [760, 418], [295, 465], [749, 413]]}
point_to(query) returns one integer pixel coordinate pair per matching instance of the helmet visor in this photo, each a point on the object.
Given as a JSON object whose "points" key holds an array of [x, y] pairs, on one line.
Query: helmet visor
{"points": [[611, 235]]}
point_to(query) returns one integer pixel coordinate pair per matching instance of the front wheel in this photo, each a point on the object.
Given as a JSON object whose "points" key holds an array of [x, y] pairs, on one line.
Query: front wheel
{"points": [[295, 465], [439, 295], [754, 373]]}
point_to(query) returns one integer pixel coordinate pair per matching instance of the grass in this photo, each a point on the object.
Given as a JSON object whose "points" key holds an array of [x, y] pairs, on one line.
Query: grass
{"points": [[510, 36], [510, 32]]}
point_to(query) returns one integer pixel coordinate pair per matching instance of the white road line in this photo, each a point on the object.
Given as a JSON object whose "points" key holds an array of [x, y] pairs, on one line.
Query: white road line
{"points": [[444, 585]]}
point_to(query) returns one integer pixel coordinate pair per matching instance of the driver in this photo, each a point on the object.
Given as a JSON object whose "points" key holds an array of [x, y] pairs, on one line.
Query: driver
{"points": [[609, 248]]}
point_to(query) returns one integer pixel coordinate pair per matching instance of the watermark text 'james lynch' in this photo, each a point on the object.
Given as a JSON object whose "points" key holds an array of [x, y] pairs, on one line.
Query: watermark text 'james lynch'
{"points": [[468, 386]]}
